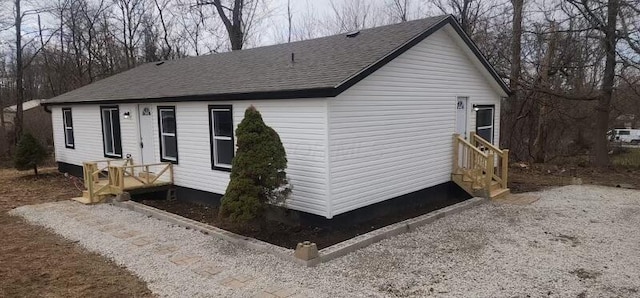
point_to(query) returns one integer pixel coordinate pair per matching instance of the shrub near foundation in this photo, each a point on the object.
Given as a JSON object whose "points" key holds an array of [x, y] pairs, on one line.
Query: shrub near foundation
{"points": [[258, 176]]}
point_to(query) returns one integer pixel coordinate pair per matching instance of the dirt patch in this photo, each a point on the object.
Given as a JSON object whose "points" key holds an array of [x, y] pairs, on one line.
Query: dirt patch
{"points": [[38, 263], [289, 235], [540, 176]]}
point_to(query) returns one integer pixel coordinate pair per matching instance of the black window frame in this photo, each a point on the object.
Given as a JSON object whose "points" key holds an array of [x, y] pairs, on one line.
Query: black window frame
{"points": [[117, 146], [215, 166], [160, 133], [477, 109], [65, 128]]}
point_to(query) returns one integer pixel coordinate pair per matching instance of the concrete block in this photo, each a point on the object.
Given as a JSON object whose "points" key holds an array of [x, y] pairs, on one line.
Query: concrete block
{"points": [[306, 251]]}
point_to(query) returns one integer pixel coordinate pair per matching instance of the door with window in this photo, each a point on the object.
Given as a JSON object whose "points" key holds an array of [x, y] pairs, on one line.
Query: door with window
{"points": [[145, 121], [485, 122]]}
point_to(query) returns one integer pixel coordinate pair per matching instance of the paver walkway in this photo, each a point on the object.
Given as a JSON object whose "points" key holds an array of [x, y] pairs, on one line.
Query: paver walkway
{"points": [[165, 252], [575, 241]]}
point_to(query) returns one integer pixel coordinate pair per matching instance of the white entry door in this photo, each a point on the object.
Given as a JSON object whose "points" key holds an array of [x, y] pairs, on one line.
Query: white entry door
{"points": [[146, 134], [461, 115]]}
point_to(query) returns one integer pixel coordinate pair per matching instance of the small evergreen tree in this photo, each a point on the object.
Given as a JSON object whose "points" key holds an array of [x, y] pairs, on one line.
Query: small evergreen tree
{"points": [[29, 154], [258, 174]]}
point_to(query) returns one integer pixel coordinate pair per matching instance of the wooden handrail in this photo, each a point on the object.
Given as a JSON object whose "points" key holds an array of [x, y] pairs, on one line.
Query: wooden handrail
{"points": [[475, 138], [115, 175], [482, 165]]}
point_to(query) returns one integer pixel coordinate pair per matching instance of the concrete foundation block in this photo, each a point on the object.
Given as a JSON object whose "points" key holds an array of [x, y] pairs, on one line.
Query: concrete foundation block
{"points": [[306, 251]]}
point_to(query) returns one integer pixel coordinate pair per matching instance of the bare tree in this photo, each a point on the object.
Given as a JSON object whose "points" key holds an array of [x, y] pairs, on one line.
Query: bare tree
{"points": [[399, 10], [18, 122], [131, 15], [238, 17], [353, 15]]}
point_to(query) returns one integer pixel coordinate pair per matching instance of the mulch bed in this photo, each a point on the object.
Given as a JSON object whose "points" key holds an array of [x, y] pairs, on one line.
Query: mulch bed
{"points": [[288, 235]]}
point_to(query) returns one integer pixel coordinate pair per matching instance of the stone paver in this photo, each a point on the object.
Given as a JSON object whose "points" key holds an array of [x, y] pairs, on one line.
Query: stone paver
{"points": [[143, 241], [166, 249], [278, 292], [208, 271], [110, 227], [126, 234], [184, 260], [236, 282]]}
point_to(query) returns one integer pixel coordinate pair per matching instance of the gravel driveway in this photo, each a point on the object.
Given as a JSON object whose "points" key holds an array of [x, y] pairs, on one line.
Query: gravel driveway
{"points": [[576, 241]]}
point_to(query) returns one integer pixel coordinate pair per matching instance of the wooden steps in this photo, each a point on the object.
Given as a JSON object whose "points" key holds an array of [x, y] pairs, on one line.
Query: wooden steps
{"points": [[496, 192]]}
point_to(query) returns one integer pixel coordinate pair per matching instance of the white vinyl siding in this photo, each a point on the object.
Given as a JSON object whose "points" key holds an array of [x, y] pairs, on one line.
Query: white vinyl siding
{"points": [[391, 133], [87, 132], [301, 124]]}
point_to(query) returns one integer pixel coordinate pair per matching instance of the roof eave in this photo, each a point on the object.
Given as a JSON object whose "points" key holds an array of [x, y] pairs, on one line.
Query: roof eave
{"points": [[261, 95]]}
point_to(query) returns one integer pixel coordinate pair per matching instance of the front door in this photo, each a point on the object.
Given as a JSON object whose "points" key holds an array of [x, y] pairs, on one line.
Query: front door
{"points": [[146, 134], [461, 116]]}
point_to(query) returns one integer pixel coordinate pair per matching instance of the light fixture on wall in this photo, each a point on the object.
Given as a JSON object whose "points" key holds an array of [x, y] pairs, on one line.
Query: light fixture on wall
{"points": [[475, 108], [127, 115]]}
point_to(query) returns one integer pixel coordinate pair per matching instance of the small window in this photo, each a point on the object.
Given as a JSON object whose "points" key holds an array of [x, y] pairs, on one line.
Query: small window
{"points": [[67, 120], [168, 137], [624, 133], [484, 122], [111, 131], [221, 126]]}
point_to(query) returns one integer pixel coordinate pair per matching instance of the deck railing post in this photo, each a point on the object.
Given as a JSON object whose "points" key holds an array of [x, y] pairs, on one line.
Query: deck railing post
{"points": [[472, 138], [505, 167], [146, 169], [489, 173], [171, 172], [456, 152]]}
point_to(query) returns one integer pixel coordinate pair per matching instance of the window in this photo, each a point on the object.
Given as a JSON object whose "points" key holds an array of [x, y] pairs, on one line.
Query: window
{"points": [[168, 138], [67, 120], [111, 131], [624, 133], [221, 127], [484, 122]]}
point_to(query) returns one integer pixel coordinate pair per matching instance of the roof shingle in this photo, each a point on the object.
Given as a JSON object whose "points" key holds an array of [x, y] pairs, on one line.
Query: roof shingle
{"points": [[319, 64]]}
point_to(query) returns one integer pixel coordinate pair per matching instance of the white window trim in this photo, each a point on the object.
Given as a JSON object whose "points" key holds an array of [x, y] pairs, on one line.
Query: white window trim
{"points": [[68, 128], [493, 115], [222, 138], [169, 134], [113, 135]]}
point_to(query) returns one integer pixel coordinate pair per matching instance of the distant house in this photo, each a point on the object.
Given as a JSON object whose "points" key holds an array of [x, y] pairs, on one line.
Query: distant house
{"points": [[36, 120], [365, 117]]}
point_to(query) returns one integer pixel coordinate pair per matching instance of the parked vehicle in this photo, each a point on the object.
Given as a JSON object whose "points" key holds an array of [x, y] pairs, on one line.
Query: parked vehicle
{"points": [[631, 136]]}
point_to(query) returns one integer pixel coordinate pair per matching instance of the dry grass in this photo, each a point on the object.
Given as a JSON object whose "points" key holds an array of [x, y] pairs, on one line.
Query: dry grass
{"points": [[38, 263]]}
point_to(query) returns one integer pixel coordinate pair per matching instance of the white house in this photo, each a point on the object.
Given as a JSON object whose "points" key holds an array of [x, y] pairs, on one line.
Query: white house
{"points": [[364, 117]]}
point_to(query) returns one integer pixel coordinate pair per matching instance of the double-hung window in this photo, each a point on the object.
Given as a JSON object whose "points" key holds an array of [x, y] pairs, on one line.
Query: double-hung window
{"points": [[67, 120], [168, 137], [221, 130], [484, 122], [111, 138]]}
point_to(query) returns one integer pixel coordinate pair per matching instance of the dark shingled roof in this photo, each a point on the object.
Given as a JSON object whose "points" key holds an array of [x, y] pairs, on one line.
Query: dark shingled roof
{"points": [[322, 67]]}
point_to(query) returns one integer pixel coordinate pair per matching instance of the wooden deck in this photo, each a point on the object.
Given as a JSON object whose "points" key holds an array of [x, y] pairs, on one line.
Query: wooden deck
{"points": [[107, 178]]}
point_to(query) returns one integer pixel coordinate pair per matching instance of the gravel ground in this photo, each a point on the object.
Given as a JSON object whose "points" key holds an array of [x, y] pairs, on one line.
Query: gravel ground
{"points": [[576, 241]]}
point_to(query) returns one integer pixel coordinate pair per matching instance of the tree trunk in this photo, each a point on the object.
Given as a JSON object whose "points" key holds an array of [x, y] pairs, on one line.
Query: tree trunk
{"points": [[600, 148], [18, 123], [35, 170], [539, 148], [516, 68]]}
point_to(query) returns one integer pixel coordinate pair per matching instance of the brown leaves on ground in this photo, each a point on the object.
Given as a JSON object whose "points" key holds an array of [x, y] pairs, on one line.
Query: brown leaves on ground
{"points": [[38, 263], [539, 176]]}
